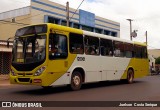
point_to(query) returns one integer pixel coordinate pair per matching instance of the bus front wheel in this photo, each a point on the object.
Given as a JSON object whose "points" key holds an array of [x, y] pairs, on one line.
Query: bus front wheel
{"points": [[76, 80], [130, 76]]}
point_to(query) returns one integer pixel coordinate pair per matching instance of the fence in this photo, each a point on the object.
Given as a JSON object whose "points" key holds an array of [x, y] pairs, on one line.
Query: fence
{"points": [[5, 62]]}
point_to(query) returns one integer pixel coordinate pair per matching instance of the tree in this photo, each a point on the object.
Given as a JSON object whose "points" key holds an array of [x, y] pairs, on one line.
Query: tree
{"points": [[157, 60]]}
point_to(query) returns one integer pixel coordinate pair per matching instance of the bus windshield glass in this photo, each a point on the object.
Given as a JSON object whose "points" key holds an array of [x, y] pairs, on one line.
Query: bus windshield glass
{"points": [[29, 49], [31, 30]]}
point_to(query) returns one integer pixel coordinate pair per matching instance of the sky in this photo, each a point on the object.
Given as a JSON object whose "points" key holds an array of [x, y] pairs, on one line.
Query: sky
{"points": [[145, 15]]}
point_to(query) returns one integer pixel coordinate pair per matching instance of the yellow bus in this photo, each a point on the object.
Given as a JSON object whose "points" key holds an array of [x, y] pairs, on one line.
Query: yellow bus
{"points": [[50, 55]]}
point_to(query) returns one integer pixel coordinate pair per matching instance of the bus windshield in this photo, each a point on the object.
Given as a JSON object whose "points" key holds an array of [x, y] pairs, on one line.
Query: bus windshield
{"points": [[37, 29], [29, 49]]}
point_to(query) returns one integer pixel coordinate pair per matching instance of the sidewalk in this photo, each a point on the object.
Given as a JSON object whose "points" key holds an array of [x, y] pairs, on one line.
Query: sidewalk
{"points": [[4, 80]]}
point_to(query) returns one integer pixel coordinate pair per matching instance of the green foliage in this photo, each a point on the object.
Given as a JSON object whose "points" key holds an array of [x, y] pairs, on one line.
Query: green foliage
{"points": [[157, 60]]}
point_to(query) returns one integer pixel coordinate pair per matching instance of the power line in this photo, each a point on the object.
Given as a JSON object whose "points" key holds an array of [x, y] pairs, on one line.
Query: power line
{"points": [[76, 10]]}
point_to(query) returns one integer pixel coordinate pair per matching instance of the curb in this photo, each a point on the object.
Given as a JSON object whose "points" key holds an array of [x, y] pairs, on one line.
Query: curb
{"points": [[4, 80], [4, 77]]}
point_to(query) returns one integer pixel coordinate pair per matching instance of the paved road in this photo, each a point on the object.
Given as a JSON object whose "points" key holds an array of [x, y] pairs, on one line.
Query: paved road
{"points": [[143, 89]]}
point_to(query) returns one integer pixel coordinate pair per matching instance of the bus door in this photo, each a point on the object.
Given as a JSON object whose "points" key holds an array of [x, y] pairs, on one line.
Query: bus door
{"points": [[58, 55]]}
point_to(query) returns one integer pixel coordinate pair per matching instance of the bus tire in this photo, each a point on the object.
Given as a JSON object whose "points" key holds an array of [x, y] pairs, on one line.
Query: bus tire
{"points": [[76, 80], [130, 76]]}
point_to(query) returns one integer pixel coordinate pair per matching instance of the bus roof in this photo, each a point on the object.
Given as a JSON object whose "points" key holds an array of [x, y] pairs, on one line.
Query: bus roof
{"points": [[64, 28], [112, 38], [79, 31], [141, 44]]}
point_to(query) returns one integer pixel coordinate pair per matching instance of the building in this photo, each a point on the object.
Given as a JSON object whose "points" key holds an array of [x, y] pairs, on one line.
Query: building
{"points": [[154, 52], [43, 11]]}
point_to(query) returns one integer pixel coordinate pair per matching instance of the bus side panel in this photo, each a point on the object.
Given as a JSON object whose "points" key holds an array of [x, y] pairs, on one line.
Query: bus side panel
{"points": [[92, 70], [91, 66], [113, 67], [59, 68], [105, 68], [140, 67], [101, 68]]}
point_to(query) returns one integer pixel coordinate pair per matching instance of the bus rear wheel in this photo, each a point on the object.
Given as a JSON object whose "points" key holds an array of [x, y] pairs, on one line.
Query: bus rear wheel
{"points": [[130, 76], [76, 81]]}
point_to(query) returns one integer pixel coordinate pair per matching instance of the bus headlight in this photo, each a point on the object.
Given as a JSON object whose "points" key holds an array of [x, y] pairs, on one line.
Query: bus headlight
{"points": [[40, 71], [13, 73]]}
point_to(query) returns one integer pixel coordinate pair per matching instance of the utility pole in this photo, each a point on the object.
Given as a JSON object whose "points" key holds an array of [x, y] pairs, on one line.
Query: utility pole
{"points": [[146, 38], [130, 22], [67, 13]]}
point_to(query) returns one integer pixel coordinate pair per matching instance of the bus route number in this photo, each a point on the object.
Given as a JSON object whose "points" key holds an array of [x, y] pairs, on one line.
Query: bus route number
{"points": [[80, 58]]}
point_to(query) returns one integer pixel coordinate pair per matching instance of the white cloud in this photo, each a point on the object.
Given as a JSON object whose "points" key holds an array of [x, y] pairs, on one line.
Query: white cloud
{"points": [[145, 13], [6, 5]]}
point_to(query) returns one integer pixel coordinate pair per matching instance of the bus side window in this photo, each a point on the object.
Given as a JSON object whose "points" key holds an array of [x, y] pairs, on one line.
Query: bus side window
{"points": [[128, 50], [140, 51], [118, 49], [57, 46], [90, 50], [91, 45], [76, 43], [106, 47]]}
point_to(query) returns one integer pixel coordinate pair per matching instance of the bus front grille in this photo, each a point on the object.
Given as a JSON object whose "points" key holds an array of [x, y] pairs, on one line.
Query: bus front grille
{"points": [[23, 79], [25, 74]]}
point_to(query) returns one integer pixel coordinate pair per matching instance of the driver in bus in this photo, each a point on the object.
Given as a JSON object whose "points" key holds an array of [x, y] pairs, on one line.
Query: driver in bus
{"points": [[41, 53], [55, 50]]}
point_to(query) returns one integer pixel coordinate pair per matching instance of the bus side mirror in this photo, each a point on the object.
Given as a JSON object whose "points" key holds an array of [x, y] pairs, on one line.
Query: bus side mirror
{"points": [[8, 41], [7, 44]]}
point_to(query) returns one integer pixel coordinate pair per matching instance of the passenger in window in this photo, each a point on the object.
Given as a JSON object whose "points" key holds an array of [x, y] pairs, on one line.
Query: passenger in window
{"points": [[117, 52], [73, 49], [40, 54], [80, 49], [97, 51], [91, 51], [110, 53], [87, 50], [53, 50], [59, 49]]}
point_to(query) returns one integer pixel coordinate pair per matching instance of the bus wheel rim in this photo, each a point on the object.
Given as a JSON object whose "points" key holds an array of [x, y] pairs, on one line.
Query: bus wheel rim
{"points": [[76, 80], [130, 76]]}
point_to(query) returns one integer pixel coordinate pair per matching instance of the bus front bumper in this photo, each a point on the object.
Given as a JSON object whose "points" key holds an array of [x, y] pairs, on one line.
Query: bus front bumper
{"points": [[26, 80]]}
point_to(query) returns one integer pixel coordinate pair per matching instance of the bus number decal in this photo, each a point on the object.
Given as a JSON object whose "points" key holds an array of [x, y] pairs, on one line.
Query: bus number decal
{"points": [[80, 58]]}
